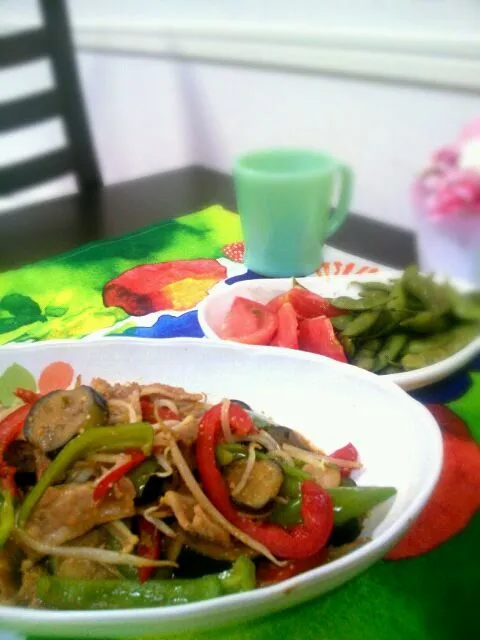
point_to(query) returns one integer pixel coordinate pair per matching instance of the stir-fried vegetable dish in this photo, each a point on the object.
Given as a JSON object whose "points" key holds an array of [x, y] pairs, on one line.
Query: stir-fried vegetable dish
{"points": [[128, 495], [401, 325]]}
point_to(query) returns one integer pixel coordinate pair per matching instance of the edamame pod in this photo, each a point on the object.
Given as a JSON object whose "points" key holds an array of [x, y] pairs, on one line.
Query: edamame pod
{"points": [[391, 349]]}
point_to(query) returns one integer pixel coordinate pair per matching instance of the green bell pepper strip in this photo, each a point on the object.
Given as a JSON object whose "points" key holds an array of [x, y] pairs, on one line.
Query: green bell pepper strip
{"points": [[6, 516], [118, 438], [352, 502], [141, 474], [288, 514], [348, 503], [228, 453], [241, 577], [68, 593]]}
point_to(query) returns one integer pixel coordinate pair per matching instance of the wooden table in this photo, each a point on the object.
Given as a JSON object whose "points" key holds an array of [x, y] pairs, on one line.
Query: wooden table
{"points": [[39, 231]]}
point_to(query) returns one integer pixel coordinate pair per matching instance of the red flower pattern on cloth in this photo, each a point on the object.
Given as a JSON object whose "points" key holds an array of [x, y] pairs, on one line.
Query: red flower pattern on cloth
{"points": [[339, 268]]}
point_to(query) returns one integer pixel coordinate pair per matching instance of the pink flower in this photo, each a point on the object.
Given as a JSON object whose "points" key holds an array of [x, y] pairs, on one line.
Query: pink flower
{"points": [[471, 130], [459, 193], [445, 157], [450, 185]]}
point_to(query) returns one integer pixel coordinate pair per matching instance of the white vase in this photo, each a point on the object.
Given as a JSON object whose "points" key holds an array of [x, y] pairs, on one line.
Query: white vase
{"points": [[450, 245]]}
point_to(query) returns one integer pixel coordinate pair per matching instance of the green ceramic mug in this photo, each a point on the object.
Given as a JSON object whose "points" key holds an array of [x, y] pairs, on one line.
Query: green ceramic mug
{"points": [[284, 201]]}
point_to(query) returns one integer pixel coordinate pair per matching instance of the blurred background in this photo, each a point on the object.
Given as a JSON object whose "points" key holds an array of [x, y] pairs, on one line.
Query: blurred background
{"points": [[171, 83]]}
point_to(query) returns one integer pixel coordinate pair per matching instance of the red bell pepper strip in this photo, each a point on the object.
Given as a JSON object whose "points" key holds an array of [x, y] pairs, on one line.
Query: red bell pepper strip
{"points": [[115, 473], [149, 546], [300, 541], [10, 428], [148, 413], [29, 397], [269, 573], [348, 452]]}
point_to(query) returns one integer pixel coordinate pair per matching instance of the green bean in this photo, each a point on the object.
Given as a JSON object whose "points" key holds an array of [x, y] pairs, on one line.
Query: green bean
{"points": [[418, 345], [433, 296], [414, 305], [362, 323], [460, 337], [340, 322], [426, 322], [391, 349], [376, 299], [392, 369], [365, 356], [466, 306], [379, 331], [374, 286], [387, 322], [348, 346], [398, 297], [419, 360]]}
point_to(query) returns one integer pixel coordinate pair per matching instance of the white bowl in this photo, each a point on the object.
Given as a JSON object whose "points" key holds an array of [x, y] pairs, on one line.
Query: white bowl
{"points": [[398, 440], [213, 309]]}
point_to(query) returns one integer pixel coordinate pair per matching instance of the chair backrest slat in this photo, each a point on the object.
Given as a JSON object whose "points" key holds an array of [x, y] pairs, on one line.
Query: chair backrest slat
{"points": [[53, 42], [18, 48], [35, 171], [32, 110]]}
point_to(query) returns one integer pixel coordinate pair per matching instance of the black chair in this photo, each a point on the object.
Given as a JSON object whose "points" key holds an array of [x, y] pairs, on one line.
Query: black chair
{"points": [[52, 41]]}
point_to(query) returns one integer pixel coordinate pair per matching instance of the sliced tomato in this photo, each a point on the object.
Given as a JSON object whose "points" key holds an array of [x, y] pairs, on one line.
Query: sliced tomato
{"points": [[310, 305], [275, 303], [317, 335], [286, 335], [306, 303], [249, 322]]}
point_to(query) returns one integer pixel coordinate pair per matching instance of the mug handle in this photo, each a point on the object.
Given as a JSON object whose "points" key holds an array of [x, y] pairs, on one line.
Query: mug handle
{"points": [[340, 213]]}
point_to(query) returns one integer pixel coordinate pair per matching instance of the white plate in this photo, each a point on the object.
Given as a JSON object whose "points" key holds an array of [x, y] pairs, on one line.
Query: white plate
{"points": [[398, 439], [213, 310]]}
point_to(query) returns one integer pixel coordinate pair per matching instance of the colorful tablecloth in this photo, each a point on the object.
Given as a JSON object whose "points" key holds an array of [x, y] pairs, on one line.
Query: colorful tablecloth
{"points": [[148, 284]]}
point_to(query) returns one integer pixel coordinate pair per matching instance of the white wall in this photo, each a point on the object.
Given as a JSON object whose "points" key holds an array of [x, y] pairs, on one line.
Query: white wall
{"points": [[396, 14], [150, 113], [386, 132]]}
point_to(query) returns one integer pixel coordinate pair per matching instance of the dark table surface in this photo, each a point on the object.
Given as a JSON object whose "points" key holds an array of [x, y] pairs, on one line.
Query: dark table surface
{"points": [[46, 229]]}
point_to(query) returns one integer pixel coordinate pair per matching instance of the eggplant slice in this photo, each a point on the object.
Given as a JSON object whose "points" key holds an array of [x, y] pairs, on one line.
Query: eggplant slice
{"points": [[57, 417], [263, 483]]}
